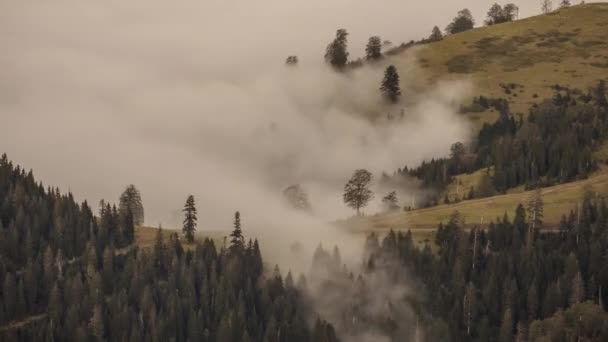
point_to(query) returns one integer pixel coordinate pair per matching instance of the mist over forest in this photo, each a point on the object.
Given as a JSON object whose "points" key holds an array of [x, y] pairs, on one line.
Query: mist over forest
{"points": [[301, 171]]}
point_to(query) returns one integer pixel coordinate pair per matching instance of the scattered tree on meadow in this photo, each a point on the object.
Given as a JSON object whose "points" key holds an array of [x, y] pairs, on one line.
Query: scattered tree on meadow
{"points": [[291, 60], [498, 14], [390, 201], [462, 22], [130, 199], [564, 4], [190, 219], [356, 192], [297, 198], [436, 35], [546, 6], [373, 50], [336, 54], [237, 241], [390, 84]]}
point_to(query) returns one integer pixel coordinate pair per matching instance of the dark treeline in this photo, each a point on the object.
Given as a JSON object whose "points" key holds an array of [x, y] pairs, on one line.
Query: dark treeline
{"points": [[510, 282], [69, 275], [554, 144]]}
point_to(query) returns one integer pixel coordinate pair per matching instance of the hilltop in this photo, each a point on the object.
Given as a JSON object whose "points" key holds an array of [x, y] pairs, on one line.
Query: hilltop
{"points": [[568, 47]]}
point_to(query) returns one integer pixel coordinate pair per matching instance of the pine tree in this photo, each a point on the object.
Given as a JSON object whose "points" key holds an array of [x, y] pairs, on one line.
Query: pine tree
{"points": [[129, 228], [335, 53], [237, 241], [190, 219], [390, 84], [356, 192], [535, 215], [131, 200], [436, 35], [373, 50]]}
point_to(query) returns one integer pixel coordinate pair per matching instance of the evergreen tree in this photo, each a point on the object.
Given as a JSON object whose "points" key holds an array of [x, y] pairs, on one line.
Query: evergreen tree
{"points": [[129, 228], [336, 54], [356, 191], [436, 35], [390, 84], [130, 199], [237, 241], [373, 50], [535, 211], [190, 219]]}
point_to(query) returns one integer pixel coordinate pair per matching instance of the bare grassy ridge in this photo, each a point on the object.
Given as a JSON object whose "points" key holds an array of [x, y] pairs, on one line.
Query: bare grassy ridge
{"points": [[567, 47]]}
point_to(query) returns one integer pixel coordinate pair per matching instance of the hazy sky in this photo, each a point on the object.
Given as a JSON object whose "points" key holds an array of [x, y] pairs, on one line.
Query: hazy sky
{"points": [[187, 96]]}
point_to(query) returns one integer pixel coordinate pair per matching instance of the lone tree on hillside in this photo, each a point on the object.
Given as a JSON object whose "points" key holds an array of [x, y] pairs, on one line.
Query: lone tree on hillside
{"points": [[390, 201], [335, 53], [373, 50], [564, 4], [190, 219], [390, 84], [546, 6], [356, 192], [130, 199], [462, 22], [237, 241], [436, 35], [292, 61]]}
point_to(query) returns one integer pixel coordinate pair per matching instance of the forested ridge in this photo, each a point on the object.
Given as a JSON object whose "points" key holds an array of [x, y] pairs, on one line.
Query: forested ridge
{"points": [[63, 280], [554, 144], [508, 281]]}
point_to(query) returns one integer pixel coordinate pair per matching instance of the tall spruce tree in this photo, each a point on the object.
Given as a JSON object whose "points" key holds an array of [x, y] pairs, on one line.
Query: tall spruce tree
{"points": [[190, 219], [130, 199], [390, 84], [335, 53], [436, 35], [373, 50], [237, 241]]}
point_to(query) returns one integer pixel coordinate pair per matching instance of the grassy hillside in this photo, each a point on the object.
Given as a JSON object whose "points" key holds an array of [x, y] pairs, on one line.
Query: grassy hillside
{"points": [[146, 236], [558, 200], [567, 47]]}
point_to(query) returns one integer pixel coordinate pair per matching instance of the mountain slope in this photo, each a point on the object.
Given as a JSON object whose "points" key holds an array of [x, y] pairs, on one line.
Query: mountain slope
{"points": [[566, 47]]}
